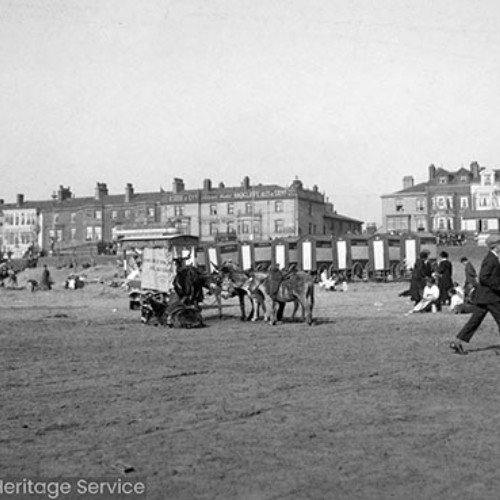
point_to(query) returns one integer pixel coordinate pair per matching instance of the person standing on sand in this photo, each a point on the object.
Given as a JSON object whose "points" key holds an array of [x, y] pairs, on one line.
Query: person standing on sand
{"points": [[445, 282], [470, 283], [46, 281], [487, 297], [421, 271]]}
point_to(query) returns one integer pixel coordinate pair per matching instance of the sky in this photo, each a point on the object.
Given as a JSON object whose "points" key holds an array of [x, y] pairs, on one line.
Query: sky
{"points": [[348, 95]]}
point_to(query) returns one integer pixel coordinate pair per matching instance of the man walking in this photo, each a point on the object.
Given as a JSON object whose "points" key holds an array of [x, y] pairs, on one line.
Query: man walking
{"points": [[487, 297]]}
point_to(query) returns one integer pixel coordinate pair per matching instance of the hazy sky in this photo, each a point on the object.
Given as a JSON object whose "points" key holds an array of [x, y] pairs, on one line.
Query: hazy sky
{"points": [[350, 95]]}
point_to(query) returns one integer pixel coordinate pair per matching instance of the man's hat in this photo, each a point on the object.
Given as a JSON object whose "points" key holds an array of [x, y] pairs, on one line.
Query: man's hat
{"points": [[492, 240]]}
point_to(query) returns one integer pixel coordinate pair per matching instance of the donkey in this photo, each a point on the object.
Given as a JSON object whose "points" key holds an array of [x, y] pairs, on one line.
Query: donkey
{"points": [[278, 289]]}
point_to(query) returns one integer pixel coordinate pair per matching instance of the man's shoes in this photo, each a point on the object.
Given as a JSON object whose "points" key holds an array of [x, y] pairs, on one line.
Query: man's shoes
{"points": [[457, 347]]}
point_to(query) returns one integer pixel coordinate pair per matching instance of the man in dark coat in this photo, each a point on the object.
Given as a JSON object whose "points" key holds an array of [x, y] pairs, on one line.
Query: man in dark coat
{"points": [[46, 281], [471, 282], [445, 281], [487, 298], [421, 270]]}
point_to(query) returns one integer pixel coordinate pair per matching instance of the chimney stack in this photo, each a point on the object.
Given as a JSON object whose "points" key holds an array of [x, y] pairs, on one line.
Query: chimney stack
{"points": [[432, 172], [101, 190], [178, 185], [474, 168], [20, 199], [207, 185], [408, 181], [246, 183], [129, 192], [63, 193]]}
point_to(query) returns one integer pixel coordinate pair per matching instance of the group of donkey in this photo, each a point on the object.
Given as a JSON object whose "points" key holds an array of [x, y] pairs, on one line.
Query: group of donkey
{"points": [[268, 291]]}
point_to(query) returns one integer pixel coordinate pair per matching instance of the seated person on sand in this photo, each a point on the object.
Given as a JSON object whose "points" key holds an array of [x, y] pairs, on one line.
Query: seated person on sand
{"points": [[457, 302], [326, 282], [430, 297]]}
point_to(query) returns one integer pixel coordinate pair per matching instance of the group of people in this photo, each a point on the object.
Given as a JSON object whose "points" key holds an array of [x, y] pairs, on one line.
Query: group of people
{"points": [[432, 287], [481, 292]]}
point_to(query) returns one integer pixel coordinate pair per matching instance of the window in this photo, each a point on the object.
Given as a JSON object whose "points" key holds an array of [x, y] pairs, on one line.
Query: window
{"points": [[399, 205], [212, 230], [449, 200], [441, 202], [310, 208], [127, 214], [73, 217], [464, 178], [420, 204], [484, 201], [98, 214], [114, 214], [151, 212], [256, 228], [420, 223], [59, 235], [179, 210], [245, 227], [73, 233], [279, 226], [449, 223], [248, 208], [484, 224], [230, 227], [230, 208], [464, 202], [213, 209], [487, 180], [442, 179], [90, 233], [278, 206], [97, 233], [441, 223], [396, 224]]}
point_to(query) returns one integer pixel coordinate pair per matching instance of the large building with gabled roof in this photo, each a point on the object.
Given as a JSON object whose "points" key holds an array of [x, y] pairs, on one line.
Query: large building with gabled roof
{"points": [[449, 202]]}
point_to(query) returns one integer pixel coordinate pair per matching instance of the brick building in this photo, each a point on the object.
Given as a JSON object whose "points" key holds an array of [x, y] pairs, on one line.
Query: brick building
{"points": [[449, 202], [247, 212]]}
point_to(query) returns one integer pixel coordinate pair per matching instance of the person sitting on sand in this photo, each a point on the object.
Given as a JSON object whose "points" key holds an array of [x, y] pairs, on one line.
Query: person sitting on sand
{"points": [[430, 297]]}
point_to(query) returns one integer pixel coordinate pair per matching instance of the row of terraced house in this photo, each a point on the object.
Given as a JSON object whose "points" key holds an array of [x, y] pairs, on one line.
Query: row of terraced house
{"points": [[465, 201], [245, 212]]}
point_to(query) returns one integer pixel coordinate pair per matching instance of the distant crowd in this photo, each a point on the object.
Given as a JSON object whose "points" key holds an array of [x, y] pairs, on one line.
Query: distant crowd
{"points": [[451, 239]]}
